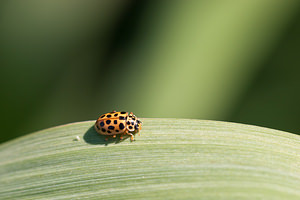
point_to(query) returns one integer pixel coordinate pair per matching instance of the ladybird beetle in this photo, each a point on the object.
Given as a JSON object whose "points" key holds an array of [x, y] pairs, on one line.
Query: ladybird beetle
{"points": [[118, 123]]}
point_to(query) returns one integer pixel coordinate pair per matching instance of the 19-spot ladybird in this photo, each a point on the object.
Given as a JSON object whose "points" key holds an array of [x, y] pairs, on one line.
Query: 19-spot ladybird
{"points": [[118, 123]]}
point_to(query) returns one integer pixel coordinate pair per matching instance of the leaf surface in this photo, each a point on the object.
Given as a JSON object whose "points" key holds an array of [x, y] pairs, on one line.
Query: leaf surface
{"points": [[171, 159]]}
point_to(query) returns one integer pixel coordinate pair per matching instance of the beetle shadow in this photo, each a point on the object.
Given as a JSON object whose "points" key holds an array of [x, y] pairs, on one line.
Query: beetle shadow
{"points": [[92, 137]]}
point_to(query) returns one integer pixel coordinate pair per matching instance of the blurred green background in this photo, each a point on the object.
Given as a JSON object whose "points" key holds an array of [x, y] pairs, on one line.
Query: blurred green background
{"points": [[65, 61]]}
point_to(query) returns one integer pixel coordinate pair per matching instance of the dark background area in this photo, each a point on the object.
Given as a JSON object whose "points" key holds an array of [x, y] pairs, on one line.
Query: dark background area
{"points": [[231, 61]]}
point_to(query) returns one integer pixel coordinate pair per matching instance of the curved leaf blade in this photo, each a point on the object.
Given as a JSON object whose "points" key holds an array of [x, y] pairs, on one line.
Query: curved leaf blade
{"points": [[172, 159]]}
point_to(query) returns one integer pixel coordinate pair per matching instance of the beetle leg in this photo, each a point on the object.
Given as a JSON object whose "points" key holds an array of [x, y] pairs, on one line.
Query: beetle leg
{"points": [[131, 136], [121, 136]]}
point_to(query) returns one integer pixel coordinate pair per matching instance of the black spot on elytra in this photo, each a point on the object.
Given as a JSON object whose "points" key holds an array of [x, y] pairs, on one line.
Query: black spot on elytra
{"points": [[102, 116], [132, 123], [121, 118], [130, 127], [108, 122], [123, 112], [108, 131], [111, 127], [121, 126], [108, 116], [117, 131], [116, 115], [103, 130], [101, 124], [128, 122], [115, 121]]}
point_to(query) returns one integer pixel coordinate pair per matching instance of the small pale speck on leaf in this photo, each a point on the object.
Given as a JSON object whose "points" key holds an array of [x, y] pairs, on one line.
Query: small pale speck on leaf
{"points": [[77, 138]]}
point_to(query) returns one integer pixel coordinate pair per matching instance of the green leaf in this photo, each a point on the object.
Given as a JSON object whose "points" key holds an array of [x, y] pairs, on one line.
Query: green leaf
{"points": [[171, 159]]}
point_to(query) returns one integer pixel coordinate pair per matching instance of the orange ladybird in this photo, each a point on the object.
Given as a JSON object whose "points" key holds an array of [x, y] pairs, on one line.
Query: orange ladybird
{"points": [[118, 123]]}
